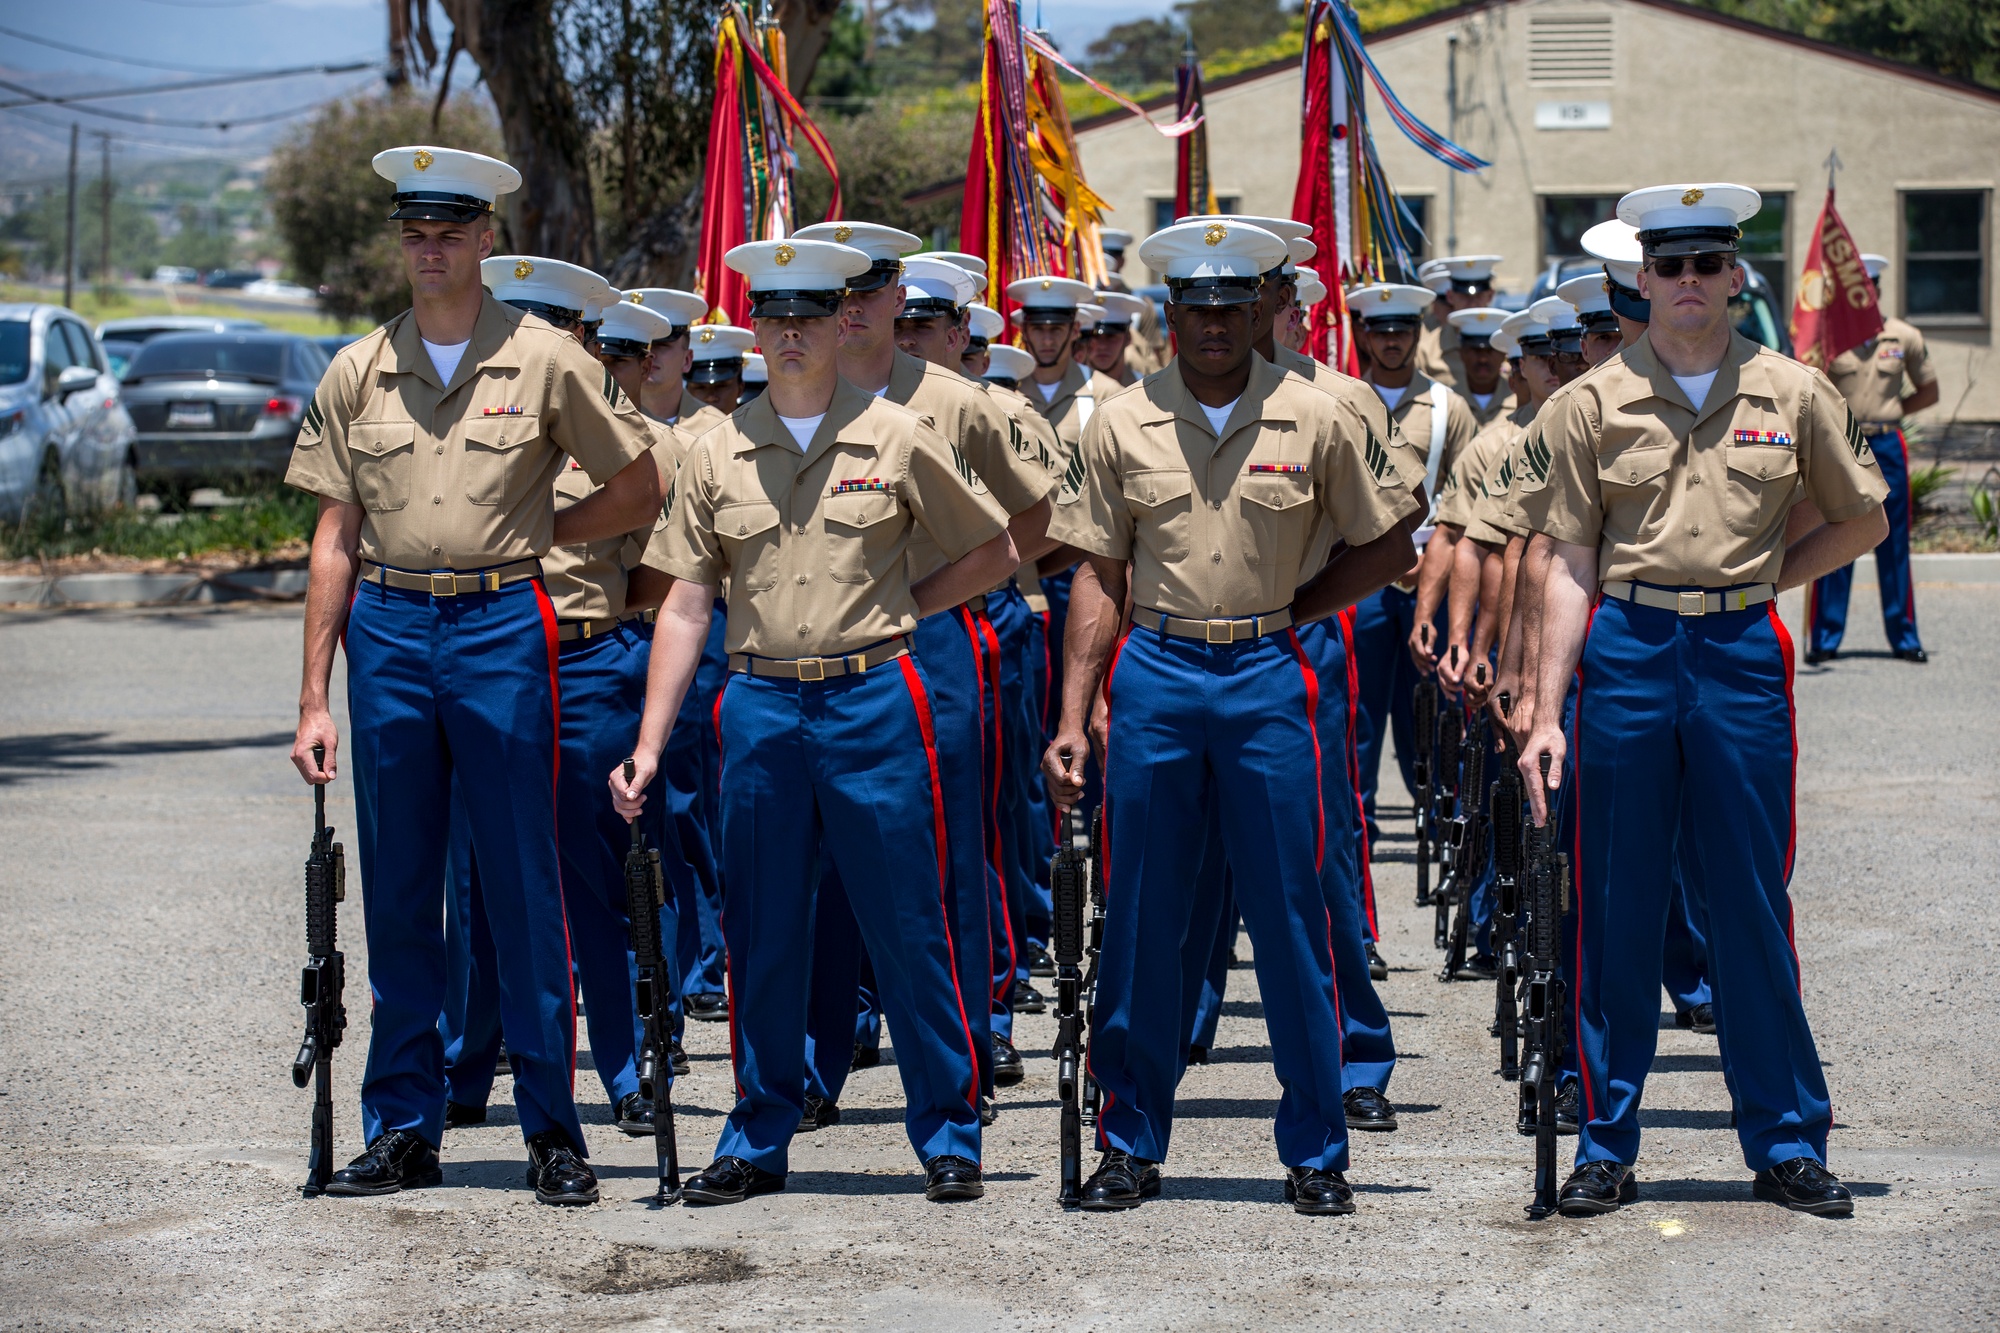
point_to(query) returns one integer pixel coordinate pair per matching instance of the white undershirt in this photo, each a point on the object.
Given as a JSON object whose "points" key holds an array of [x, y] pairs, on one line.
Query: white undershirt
{"points": [[1047, 391], [445, 356], [1696, 387], [1390, 396], [1218, 417], [802, 428], [1480, 400]]}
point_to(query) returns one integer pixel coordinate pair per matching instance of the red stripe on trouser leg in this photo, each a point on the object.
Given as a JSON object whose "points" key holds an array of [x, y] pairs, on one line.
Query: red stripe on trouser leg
{"points": [[989, 819], [548, 610], [1576, 874], [920, 700], [987, 645], [1346, 619], [1311, 679], [1792, 808]]}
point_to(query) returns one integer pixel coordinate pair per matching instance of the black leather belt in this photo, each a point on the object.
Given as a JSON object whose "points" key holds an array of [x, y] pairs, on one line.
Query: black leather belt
{"points": [[451, 582]]}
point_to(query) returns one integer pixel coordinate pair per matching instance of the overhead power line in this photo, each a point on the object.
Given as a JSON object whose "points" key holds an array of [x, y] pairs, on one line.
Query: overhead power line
{"points": [[170, 122], [186, 85], [55, 45]]}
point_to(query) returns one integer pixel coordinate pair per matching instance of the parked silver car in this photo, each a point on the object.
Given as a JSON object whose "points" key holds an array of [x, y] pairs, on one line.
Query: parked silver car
{"points": [[216, 407], [65, 438], [142, 328]]}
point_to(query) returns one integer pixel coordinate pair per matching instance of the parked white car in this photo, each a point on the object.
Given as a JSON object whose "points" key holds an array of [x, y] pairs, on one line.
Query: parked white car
{"points": [[66, 439], [171, 274]]}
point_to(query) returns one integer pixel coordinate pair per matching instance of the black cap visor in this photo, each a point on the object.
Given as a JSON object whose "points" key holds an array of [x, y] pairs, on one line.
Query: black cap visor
{"points": [[1393, 323], [1690, 240], [929, 307], [1626, 301], [1213, 291], [1048, 314], [623, 346], [974, 344], [879, 275], [718, 371], [432, 206], [1475, 340], [1472, 286], [1568, 341], [1004, 381], [1114, 326], [1599, 321], [795, 304], [560, 316], [679, 331], [1538, 344]]}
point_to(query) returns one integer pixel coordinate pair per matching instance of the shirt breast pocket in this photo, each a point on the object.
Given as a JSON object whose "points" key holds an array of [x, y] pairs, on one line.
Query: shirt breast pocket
{"points": [[1160, 504], [495, 458], [1277, 510], [383, 454], [1636, 488], [863, 535], [1762, 478], [748, 533]]}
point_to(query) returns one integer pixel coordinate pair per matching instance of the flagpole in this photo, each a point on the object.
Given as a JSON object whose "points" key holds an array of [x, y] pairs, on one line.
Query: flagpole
{"points": [[1832, 165]]}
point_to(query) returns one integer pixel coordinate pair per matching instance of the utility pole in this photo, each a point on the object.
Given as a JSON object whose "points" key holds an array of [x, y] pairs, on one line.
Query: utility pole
{"points": [[69, 228], [1451, 132], [104, 192]]}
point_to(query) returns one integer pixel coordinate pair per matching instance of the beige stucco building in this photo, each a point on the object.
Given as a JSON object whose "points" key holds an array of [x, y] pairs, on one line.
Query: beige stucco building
{"points": [[1577, 101]]}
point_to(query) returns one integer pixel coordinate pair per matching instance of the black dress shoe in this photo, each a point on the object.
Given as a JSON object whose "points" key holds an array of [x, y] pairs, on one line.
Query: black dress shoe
{"points": [[1039, 962], [457, 1115], [1378, 970], [708, 1007], [1197, 1054], [634, 1114], [819, 1113], [677, 1060], [1806, 1186], [1701, 1018], [1916, 655], [989, 1111], [1367, 1108], [1007, 1069], [558, 1172], [1567, 1098], [1318, 1193], [1120, 1181], [948, 1178], [1814, 656], [1025, 999], [865, 1057], [1481, 968], [730, 1180], [1597, 1187], [397, 1160]]}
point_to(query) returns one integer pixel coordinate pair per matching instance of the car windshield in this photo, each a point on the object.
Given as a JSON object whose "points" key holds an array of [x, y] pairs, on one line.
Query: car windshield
{"points": [[1750, 311], [13, 351], [233, 358]]}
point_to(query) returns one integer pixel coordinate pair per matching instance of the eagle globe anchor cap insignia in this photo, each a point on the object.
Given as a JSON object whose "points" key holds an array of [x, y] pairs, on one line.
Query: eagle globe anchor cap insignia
{"points": [[784, 254], [1215, 234], [523, 269], [422, 161], [1693, 196], [843, 233]]}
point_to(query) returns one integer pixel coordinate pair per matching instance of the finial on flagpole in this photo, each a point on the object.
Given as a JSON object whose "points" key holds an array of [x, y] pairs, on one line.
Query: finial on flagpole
{"points": [[1832, 165]]}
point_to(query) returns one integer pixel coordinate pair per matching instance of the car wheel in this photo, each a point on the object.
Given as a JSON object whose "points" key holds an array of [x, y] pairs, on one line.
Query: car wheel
{"points": [[49, 506]]}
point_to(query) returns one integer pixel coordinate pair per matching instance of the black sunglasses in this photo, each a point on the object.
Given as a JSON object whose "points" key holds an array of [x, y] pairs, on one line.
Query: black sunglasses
{"points": [[1707, 265]]}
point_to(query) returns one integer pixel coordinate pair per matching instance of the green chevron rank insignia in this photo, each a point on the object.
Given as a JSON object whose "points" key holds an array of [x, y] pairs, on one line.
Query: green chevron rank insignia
{"points": [[1072, 479], [1503, 481], [1535, 459], [965, 470], [1857, 441], [314, 424], [612, 393], [1379, 466]]}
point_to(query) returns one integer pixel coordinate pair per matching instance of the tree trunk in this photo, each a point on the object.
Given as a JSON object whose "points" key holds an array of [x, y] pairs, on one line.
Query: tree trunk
{"points": [[514, 43], [808, 26]]}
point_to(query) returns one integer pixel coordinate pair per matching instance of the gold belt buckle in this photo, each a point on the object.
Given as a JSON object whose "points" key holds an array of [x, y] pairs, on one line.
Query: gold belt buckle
{"points": [[444, 585], [1221, 631], [1692, 603], [812, 668]]}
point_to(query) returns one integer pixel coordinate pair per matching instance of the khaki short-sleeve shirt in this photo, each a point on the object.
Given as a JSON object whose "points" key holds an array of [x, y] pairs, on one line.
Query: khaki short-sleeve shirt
{"points": [[1437, 352], [1223, 527], [1465, 485], [1412, 415], [1870, 377], [1621, 460], [462, 475], [697, 416], [1498, 404], [1079, 394], [815, 546], [586, 581], [1495, 516], [1358, 395]]}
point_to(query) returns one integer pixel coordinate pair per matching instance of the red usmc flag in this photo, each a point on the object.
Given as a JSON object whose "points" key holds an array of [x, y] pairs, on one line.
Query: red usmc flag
{"points": [[1836, 307]]}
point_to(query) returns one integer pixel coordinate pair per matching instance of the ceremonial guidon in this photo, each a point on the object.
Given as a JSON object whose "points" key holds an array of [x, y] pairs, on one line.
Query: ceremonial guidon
{"points": [[1664, 481], [716, 378], [1439, 424], [957, 645], [434, 445], [1214, 478], [1482, 383], [806, 501], [1871, 378], [1456, 282]]}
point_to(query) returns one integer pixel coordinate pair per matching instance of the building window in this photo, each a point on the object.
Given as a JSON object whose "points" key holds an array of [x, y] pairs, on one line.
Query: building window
{"points": [[1763, 247], [1566, 217], [1944, 248], [1570, 47], [1163, 209], [1419, 208]]}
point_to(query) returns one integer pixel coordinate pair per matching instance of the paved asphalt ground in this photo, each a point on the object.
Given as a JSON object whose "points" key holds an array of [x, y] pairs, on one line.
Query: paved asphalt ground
{"points": [[151, 837]]}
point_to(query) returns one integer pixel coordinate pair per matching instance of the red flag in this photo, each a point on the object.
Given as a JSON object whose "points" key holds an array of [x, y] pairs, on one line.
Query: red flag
{"points": [[1313, 201], [723, 224], [1836, 307], [1194, 185]]}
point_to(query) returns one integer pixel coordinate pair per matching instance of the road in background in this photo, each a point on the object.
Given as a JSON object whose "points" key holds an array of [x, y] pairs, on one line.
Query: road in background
{"points": [[150, 937]]}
